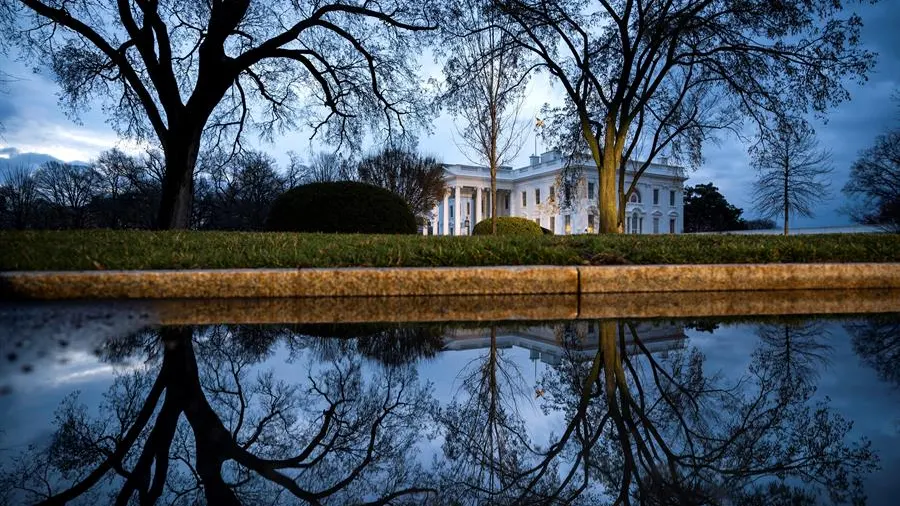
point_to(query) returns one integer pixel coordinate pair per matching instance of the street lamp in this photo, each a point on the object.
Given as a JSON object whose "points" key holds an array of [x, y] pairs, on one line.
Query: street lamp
{"points": [[466, 224]]}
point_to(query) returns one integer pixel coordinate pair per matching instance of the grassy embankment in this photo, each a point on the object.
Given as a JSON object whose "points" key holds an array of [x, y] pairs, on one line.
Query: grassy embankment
{"points": [[105, 249]]}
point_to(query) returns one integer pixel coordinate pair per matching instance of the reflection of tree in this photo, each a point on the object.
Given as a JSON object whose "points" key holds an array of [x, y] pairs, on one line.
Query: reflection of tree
{"points": [[199, 423], [486, 440], [389, 344], [877, 341], [658, 430], [797, 346]]}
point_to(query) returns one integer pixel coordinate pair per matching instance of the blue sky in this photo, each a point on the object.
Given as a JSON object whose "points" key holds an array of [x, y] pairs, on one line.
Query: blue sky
{"points": [[34, 122]]}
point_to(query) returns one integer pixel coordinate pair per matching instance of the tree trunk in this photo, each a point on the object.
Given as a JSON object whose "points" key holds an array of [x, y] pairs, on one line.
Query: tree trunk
{"points": [[178, 183], [607, 205], [494, 202], [786, 202]]}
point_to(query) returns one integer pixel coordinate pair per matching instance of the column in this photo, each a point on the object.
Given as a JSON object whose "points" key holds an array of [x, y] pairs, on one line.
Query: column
{"points": [[436, 217], [456, 211], [477, 206], [446, 223]]}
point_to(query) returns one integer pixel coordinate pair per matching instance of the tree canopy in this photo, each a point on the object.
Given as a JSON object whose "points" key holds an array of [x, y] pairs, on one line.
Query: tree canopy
{"points": [[706, 210], [184, 73]]}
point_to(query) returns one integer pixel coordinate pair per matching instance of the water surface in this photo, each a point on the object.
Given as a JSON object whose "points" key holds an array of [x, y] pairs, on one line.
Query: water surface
{"points": [[781, 410]]}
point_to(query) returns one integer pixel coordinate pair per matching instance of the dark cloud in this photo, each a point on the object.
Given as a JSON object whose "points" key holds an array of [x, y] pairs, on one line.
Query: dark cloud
{"points": [[846, 131]]}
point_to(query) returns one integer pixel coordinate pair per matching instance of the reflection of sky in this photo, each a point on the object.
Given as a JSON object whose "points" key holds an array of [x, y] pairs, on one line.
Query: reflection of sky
{"points": [[855, 392]]}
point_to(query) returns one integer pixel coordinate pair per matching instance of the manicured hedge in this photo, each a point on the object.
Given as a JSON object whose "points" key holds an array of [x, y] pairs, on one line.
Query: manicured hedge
{"points": [[341, 207], [507, 225]]}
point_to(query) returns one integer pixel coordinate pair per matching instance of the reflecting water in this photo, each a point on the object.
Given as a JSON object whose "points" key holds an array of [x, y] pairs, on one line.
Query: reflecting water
{"points": [[774, 411]]}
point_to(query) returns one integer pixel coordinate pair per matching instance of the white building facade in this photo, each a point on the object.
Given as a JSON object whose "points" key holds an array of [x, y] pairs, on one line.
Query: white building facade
{"points": [[533, 192]]}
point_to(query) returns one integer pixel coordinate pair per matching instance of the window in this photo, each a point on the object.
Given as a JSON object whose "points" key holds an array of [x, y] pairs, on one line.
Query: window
{"points": [[635, 197], [628, 225], [590, 223], [451, 211], [655, 196], [538, 221], [553, 224], [506, 202], [524, 199], [537, 196], [468, 212], [568, 224], [671, 225], [552, 195], [655, 225], [590, 190], [568, 193], [672, 198], [634, 223]]}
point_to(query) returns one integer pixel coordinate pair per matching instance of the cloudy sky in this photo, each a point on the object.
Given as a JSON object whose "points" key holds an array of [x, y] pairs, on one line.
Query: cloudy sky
{"points": [[34, 122]]}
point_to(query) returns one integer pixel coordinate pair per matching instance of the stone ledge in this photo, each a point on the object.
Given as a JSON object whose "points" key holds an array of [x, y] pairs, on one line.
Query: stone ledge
{"points": [[255, 283], [694, 278], [444, 281]]}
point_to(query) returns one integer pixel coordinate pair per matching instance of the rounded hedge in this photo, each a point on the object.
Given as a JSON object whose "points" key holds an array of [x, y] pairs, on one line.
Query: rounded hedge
{"points": [[341, 207], [508, 225]]}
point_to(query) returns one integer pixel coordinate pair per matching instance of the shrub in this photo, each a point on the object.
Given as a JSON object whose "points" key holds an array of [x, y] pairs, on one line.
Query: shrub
{"points": [[342, 207], [546, 231], [507, 225]]}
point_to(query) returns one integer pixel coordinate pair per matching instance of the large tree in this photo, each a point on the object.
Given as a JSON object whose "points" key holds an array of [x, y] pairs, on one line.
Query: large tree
{"points": [[485, 73], [793, 171], [875, 183], [642, 76], [185, 72]]}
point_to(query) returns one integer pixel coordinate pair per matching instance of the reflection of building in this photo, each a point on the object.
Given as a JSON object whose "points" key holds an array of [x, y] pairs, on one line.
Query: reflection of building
{"points": [[550, 342], [535, 192]]}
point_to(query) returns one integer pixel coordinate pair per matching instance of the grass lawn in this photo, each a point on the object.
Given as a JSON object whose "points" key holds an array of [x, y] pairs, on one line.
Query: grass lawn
{"points": [[107, 249]]}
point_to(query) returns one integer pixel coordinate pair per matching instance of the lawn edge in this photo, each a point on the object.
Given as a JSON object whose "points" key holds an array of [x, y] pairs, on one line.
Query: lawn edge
{"points": [[443, 281]]}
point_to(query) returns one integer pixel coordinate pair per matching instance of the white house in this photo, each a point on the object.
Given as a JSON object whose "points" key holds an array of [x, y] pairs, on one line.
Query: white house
{"points": [[531, 192]]}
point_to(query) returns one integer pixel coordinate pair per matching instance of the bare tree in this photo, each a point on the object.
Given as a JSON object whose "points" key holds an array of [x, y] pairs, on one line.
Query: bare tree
{"points": [[324, 167], [182, 71], [69, 188], [418, 179], [20, 197], [875, 183], [642, 76], [485, 73], [792, 171]]}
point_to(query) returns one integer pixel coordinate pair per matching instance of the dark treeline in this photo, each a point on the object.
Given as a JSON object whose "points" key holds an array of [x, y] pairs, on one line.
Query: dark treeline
{"points": [[122, 191]]}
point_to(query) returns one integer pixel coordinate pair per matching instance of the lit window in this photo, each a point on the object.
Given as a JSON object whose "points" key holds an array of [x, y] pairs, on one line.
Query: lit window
{"points": [[568, 224], [590, 223]]}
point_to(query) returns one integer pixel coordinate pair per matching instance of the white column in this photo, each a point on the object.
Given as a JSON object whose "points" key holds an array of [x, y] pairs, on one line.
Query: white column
{"points": [[477, 206], [446, 224], [456, 211], [436, 216]]}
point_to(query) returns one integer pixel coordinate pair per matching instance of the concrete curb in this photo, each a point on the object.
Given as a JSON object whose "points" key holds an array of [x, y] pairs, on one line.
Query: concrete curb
{"points": [[381, 282]]}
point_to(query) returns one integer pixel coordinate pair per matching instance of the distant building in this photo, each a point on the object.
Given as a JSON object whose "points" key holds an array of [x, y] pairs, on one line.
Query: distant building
{"points": [[532, 192], [550, 343]]}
